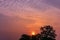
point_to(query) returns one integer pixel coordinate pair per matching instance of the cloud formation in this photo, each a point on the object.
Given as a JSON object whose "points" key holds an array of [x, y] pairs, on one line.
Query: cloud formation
{"points": [[55, 3], [24, 16]]}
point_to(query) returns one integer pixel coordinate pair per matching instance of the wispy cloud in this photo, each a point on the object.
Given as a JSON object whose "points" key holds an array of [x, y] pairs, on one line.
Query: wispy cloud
{"points": [[28, 15], [55, 3]]}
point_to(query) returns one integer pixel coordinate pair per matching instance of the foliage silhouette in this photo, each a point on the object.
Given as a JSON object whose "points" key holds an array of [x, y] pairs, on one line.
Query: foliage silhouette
{"points": [[47, 33], [25, 37], [33, 37]]}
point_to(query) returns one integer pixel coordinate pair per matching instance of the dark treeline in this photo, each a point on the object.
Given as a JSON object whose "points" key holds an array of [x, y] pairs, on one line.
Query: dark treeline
{"points": [[47, 33]]}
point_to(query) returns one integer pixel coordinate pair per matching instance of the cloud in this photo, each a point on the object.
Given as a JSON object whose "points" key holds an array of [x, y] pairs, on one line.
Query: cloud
{"points": [[23, 16], [55, 3]]}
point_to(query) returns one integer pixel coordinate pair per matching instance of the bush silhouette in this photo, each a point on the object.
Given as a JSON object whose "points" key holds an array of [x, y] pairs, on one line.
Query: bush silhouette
{"points": [[47, 33]]}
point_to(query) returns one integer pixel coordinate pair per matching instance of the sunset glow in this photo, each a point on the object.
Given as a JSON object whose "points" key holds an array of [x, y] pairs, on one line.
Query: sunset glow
{"points": [[33, 33], [19, 17]]}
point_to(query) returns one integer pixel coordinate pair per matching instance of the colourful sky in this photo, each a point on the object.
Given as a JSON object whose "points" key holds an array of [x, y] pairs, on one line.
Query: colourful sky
{"points": [[24, 16]]}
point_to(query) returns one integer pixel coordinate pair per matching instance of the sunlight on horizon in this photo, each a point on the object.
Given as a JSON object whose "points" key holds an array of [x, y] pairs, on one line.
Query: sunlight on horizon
{"points": [[33, 33]]}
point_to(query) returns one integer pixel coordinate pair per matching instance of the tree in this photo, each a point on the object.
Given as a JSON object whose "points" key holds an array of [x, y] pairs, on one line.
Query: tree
{"points": [[47, 33], [38, 36], [25, 37], [33, 37]]}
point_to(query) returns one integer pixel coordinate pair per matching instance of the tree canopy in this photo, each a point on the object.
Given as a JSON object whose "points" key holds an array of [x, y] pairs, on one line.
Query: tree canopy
{"points": [[47, 33]]}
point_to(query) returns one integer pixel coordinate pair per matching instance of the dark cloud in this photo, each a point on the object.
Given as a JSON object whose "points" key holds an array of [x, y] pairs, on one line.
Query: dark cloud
{"points": [[55, 3]]}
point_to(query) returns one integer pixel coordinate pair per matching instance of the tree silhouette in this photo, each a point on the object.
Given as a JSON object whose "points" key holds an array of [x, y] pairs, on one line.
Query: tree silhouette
{"points": [[33, 37], [25, 37], [38, 36], [47, 33]]}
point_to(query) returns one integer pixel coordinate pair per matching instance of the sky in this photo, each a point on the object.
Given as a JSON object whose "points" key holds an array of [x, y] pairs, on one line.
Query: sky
{"points": [[24, 16]]}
